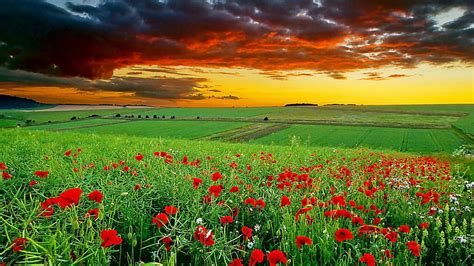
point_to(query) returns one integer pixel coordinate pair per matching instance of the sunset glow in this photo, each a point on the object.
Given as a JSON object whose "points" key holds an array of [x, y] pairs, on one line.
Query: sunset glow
{"points": [[237, 53]]}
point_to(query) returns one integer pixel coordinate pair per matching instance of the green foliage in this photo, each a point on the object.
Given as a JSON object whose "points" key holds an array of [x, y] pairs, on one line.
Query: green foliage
{"points": [[130, 211]]}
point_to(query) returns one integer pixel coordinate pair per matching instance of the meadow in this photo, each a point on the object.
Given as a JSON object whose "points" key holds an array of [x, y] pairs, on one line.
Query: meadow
{"points": [[425, 129], [90, 199]]}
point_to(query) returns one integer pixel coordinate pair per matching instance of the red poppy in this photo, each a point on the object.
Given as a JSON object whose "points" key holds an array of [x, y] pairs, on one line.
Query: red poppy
{"points": [[285, 201], [32, 183], [275, 257], [250, 201], [93, 212], [137, 187], [96, 196], [234, 189], [215, 190], [41, 174], [206, 237], [6, 175], [404, 229], [256, 257], [110, 238], [171, 210], [19, 244], [69, 197], [368, 259], [343, 234], [357, 220], [388, 254], [338, 200], [247, 232], [424, 225], [46, 207], [303, 240], [226, 220], [67, 153], [139, 157], [168, 242], [236, 262], [196, 182], [3, 167], [392, 236], [216, 176], [414, 248], [160, 219], [260, 204], [301, 211]]}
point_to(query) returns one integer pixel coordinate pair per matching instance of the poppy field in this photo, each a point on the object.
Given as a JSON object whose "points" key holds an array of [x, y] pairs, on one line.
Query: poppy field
{"points": [[78, 199]]}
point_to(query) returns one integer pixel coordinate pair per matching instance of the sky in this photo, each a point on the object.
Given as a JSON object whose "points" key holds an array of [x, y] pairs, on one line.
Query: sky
{"points": [[238, 52]]}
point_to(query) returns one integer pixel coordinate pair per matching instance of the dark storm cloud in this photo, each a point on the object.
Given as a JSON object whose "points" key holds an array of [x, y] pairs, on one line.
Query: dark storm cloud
{"points": [[157, 88], [329, 36]]}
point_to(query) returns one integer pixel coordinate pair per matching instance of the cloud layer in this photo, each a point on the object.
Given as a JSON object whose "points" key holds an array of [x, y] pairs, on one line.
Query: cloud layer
{"points": [[327, 36], [154, 88]]}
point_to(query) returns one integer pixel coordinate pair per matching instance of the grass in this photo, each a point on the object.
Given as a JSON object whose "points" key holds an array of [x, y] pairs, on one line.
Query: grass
{"points": [[8, 123], [211, 112], [69, 237], [414, 140], [358, 115], [466, 124], [417, 128], [170, 129], [77, 124], [54, 116]]}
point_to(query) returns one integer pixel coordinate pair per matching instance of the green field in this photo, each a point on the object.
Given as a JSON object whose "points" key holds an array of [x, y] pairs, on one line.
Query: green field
{"points": [[415, 128], [52, 222], [44, 116], [415, 140], [210, 112], [355, 115], [8, 123], [77, 124], [169, 129]]}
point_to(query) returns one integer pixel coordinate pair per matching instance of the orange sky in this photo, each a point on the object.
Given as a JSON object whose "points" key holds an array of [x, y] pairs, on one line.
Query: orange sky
{"points": [[238, 53], [425, 84]]}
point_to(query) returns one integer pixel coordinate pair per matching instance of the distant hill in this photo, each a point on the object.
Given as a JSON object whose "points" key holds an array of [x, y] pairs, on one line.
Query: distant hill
{"points": [[301, 104], [13, 102]]}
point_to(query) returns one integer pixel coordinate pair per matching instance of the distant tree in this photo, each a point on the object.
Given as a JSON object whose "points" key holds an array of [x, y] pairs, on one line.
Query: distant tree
{"points": [[198, 117], [94, 115], [155, 116], [265, 119], [73, 118], [29, 121], [117, 115], [172, 117], [133, 116], [18, 125], [49, 122], [163, 116], [2, 116], [139, 116], [147, 116]]}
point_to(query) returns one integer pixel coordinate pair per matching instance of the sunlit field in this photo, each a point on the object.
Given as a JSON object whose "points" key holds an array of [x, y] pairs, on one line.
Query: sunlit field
{"points": [[96, 199], [232, 133]]}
